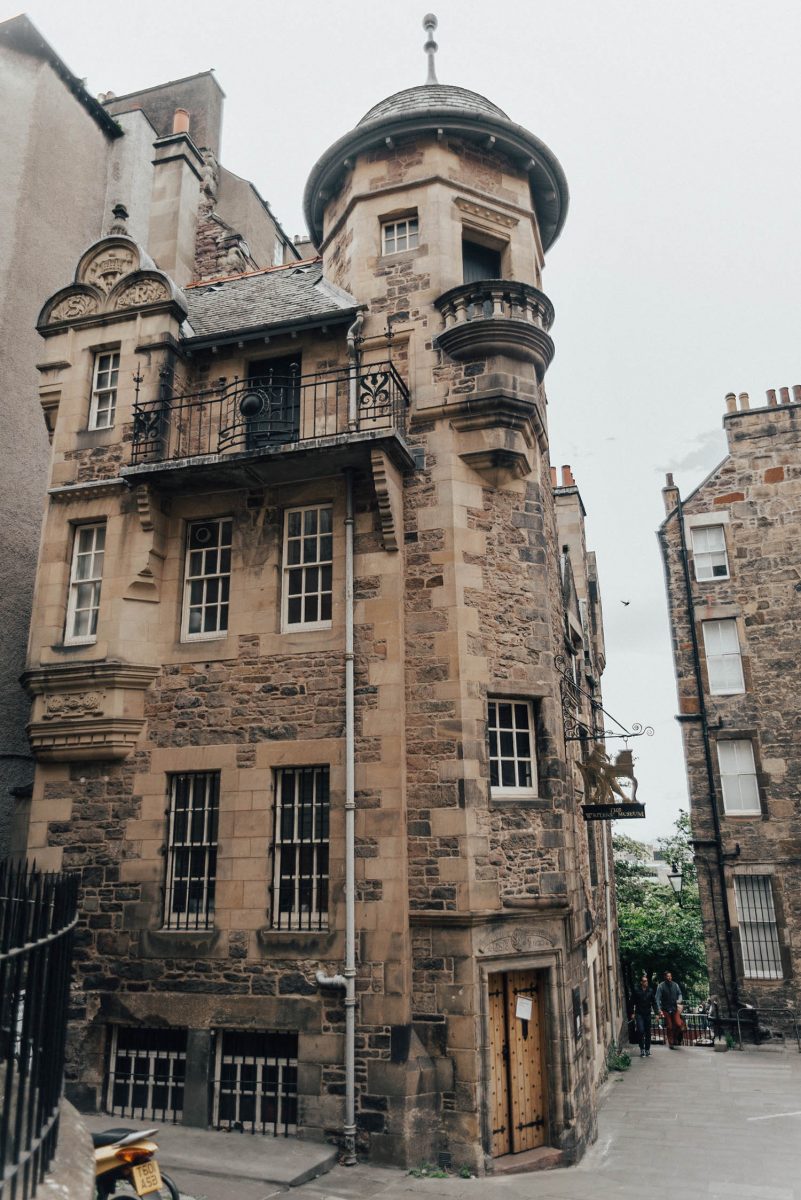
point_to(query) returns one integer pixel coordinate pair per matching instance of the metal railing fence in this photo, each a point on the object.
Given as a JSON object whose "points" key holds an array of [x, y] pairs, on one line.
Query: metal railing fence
{"points": [[37, 920]]}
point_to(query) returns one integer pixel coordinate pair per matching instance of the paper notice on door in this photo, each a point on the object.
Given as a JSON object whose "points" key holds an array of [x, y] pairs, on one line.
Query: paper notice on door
{"points": [[523, 1008]]}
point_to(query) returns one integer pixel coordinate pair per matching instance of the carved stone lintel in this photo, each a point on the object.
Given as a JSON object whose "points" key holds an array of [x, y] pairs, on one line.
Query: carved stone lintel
{"points": [[491, 215], [389, 494], [516, 941]]}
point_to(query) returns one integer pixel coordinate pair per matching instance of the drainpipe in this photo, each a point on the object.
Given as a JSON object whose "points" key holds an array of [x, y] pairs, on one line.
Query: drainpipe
{"points": [[354, 338], [610, 966], [347, 979], [710, 773]]}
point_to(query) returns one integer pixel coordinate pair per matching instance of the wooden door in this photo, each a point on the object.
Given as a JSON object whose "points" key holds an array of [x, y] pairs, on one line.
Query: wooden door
{"points": [[518, 1093]]}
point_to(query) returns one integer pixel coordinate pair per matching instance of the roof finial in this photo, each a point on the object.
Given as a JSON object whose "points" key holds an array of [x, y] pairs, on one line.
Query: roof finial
{"points": [[430, 24]]}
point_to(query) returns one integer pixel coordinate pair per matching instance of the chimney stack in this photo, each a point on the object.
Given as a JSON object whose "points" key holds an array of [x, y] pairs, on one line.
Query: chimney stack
{"points": [[670, 493]]}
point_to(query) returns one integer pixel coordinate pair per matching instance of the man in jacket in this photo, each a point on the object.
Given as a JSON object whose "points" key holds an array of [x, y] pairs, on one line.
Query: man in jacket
{"points": [[643, 1002], [668, 999]]}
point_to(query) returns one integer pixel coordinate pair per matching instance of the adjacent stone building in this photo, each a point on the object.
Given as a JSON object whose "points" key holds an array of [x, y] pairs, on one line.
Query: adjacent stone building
{"points": [[733, 586], [317, 644], [68, 159]]}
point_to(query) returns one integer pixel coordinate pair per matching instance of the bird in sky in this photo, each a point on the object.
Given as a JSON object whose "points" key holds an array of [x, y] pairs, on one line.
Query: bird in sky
{"points": [[625, 603]]}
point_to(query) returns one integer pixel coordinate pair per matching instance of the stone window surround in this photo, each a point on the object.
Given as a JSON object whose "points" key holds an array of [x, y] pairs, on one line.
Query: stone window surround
{"points": [[761, 871], [71, 639], [727, 738], [746, 734], [500, 796], [112, 353], [391, 220], [695, 554], [709, 616]]}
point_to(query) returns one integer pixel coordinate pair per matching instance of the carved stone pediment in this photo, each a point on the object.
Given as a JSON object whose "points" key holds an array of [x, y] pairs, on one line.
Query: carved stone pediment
{"points": [[515, 941], [113, 276], [85, 711]]}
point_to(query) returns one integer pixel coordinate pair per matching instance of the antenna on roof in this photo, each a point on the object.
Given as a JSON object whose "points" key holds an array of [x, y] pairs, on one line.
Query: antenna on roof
{"points": [[430, 24]]}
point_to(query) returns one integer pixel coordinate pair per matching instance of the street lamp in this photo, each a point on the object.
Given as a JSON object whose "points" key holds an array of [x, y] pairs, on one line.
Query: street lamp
{"points": [[676, 879]]}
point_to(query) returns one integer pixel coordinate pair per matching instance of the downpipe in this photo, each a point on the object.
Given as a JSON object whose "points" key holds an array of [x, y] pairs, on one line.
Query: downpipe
{"points": [[354, 338], [347, 979]]}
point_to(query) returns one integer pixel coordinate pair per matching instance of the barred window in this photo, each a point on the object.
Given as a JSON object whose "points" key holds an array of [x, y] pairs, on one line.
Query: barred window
{"points": [[738, 776], [399, 235], [759, 936], [86, 576], [207, 579], [256, 1081], [709, 552], [146, 1073], [192, 850], [300, 888], [512, 756], [308, 567], [103, 403], [723, 661]]}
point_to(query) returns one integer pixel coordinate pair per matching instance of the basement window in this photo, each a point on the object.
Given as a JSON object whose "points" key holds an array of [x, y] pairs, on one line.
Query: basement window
{"points": [[146, 1073], [255, 1087]]}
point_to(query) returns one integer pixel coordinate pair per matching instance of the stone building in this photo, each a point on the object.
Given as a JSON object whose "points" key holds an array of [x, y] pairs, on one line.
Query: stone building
{"points": [[67, 161], [732, 584], [316, 647]]}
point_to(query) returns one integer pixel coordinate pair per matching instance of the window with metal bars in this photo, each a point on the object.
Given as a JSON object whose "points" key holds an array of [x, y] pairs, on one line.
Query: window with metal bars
{"points": [[86, 577], [192, 850], [146, 1073], [255, 1085], [300, 880], [512, 754], [207, 580], [308, 559], [759, 935]]}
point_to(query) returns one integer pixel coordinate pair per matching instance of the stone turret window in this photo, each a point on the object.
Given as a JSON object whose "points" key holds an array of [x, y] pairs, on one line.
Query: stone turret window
{"points": [[86, 576], [759, 936], [207, 580], [103, 404], [399, 235], [709, 552], [723, 661], [738, 777], [512, 747], [300, 887]]}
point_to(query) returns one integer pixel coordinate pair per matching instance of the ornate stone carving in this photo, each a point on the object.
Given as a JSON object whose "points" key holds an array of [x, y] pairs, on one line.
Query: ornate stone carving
{"points": [[109, 265], [77, 305], [486, 214], [141, 291], [517, 941], [72, 705]]}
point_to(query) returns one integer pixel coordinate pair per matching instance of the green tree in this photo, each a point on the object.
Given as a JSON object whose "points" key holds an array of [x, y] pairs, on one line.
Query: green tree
{"points": [[659, 931]]}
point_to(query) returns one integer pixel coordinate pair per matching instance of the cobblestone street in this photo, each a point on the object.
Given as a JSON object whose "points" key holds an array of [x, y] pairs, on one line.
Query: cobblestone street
{"points": [[698, 1125]]}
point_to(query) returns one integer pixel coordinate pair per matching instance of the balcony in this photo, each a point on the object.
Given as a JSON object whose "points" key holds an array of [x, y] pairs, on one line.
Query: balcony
{"points": [[496, 316], [246, 431]]}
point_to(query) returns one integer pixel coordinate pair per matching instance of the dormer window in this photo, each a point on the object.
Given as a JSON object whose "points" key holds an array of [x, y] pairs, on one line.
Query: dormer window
{"points": [[399, 235], [103, 404]]}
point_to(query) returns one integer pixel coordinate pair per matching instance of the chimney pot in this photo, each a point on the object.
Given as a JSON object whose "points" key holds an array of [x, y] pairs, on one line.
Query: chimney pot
{"points": [[554, 478], [669, 480], [771, 394], [731, 402], [180, 121], [745, 402], [797, 393], [785, 395]]}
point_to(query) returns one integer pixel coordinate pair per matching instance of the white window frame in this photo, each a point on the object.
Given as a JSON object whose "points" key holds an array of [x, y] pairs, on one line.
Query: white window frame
{"points": [[289, 845], [720, 637], [499, 754], [198, 842], [205, 571], [105, 380], [759, 933], [704, 557], [400, 229], [738, 777], [86, 580], [300, 570]]}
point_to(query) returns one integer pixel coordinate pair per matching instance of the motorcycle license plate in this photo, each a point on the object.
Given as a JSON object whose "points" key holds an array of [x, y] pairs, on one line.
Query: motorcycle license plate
{"points": [[146, 1178]]}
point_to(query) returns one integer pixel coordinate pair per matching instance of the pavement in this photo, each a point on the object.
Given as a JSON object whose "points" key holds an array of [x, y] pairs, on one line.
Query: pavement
{"points": [[688, 1123]]}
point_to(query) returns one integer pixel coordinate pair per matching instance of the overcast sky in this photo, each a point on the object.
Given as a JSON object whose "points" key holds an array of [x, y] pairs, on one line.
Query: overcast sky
{"points": [[675, 279]]}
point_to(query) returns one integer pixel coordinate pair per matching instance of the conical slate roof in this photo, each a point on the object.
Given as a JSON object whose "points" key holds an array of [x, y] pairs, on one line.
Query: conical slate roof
{"points": [[429, 96]]}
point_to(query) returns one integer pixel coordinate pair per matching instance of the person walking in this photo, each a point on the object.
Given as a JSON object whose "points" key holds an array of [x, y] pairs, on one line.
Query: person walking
{"points": [[644, 1003], [668, 1001]]}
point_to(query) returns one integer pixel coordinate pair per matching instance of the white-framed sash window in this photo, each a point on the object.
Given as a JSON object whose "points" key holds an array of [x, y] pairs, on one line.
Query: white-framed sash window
{"points": [[207, 579], [738, 777], [308, 567], [86, 577], [512, 747], [105, 375], [723, 659], [399, 235], [709, 552]]}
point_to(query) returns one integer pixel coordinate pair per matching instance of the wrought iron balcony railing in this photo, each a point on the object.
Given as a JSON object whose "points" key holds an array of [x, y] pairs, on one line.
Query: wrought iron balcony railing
{"points": [[268, 413]]}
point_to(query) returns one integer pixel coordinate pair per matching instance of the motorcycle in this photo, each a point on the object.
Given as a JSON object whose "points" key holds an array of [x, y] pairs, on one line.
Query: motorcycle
{"points": [[125, 1159]]}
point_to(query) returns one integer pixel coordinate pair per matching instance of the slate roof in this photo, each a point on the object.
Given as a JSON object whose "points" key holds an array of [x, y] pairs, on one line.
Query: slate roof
{"points": [[439, 96], [293, 295]]}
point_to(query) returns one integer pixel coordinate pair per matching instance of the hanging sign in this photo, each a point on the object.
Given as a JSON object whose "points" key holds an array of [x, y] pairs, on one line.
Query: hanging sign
{"points": [[523, 1008], [612, 812], [610, 788]]}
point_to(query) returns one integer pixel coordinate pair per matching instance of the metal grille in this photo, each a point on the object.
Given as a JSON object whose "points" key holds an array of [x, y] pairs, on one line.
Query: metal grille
{"points": [[37, 919], [146, 1073], [300, 887], [192, 850], [256, 1082], [759, 937]]}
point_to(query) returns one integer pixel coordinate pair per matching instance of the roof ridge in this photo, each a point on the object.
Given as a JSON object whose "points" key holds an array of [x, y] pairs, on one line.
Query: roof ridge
{"points": [[293, 266]]}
